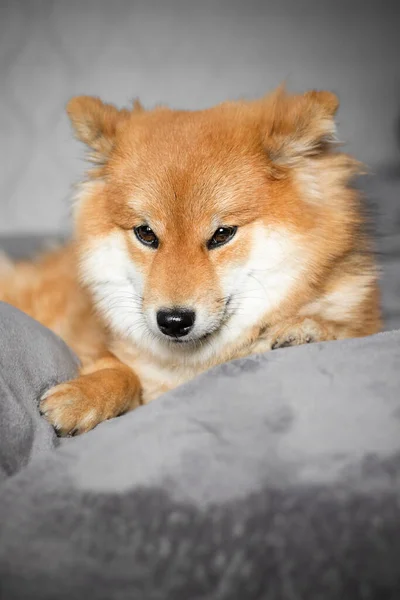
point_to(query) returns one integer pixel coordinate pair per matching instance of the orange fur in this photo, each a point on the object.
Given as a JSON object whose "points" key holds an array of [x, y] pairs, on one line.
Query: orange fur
{"points": [[299, 268]]}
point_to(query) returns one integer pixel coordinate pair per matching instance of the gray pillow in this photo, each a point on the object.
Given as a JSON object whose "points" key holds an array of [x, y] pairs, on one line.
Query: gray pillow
{"points": [[32, 359]]}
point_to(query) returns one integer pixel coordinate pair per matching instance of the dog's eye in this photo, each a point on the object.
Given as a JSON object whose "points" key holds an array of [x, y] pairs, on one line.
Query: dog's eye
{"points": [[146, 236], [221, 236]]}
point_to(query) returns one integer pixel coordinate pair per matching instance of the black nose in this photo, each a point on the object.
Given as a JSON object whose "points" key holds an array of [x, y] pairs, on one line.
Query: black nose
{"points": [[175, 322]]}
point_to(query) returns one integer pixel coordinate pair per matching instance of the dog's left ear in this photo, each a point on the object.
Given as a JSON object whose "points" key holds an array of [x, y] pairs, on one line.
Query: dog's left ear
{"points": [[96, 123], [299, 126]]}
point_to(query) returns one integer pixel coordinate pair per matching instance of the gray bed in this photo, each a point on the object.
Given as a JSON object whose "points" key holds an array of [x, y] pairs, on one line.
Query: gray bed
{"points": [[276, 477]]}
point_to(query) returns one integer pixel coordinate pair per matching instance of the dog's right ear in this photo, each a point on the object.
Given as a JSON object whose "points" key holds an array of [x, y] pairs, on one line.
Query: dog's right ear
{"points": [[96, 123]]}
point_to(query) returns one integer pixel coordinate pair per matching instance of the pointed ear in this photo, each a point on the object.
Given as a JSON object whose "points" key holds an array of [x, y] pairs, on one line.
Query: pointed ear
{"points": [[95, 124], [299, 126]]}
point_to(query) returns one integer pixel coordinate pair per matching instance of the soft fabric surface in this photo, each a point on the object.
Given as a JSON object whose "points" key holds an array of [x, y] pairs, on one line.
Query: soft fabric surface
{"points": [[32, 359], [273, 477]]}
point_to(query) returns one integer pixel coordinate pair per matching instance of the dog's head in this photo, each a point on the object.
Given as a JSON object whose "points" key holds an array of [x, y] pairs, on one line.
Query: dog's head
{"points": [[196, 226]]}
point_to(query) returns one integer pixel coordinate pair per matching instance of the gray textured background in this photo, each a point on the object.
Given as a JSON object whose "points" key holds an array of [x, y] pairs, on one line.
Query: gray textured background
{"points": [[188, 54]]}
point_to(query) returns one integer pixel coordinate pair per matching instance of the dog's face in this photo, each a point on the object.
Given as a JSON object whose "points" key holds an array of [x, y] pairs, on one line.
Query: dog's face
{"points": [[193, 228]]}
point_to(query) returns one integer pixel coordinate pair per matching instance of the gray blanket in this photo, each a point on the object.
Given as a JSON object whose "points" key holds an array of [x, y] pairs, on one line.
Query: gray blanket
{"points": [[274, 477]]}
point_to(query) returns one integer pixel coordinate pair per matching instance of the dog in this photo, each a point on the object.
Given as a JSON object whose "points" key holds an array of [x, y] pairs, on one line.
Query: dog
{"points": [[200, 237]]}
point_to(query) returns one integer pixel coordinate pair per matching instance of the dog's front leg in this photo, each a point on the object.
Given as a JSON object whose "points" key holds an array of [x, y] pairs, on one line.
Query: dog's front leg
{"points": [[105, 389], [303, 331], [294, 333]]}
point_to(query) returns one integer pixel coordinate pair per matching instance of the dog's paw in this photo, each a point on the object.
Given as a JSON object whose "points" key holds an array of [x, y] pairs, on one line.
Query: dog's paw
{"points": [[296, 334], [70, 409]]}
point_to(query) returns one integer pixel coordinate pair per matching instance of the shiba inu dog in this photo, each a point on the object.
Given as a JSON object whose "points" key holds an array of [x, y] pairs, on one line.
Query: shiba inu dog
{"points": [[200, 236]]}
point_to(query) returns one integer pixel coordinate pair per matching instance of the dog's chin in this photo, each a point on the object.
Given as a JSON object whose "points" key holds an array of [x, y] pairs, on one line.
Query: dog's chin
{"points": [[190, 344]]}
